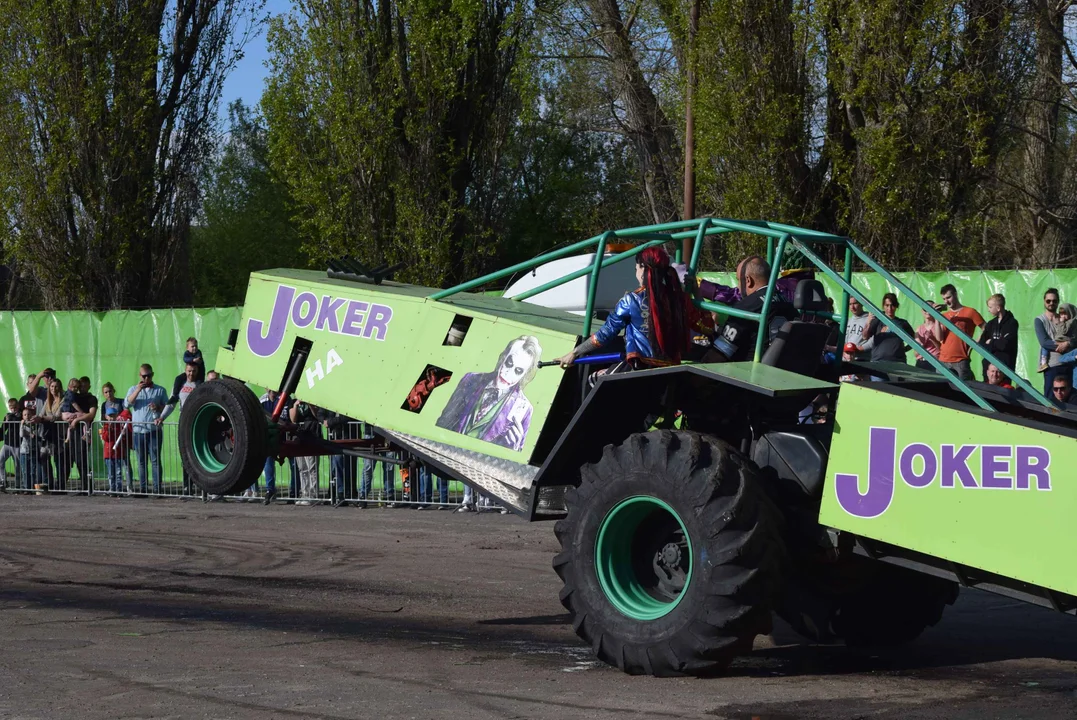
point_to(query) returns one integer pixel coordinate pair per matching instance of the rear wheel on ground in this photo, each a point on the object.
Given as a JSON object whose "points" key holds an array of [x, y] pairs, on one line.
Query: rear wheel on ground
{"points": [[865, 602], [670, 555], [223, 437], [895, 608]]}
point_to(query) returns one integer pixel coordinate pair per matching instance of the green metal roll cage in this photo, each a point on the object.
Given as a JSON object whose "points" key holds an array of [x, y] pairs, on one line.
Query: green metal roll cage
{"points": [[779, 236]]}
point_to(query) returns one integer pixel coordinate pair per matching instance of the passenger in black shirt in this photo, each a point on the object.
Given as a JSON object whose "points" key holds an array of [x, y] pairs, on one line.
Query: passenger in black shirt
{"points": [[1000, 333], [77, 453], [886, 345], [735, 341]]}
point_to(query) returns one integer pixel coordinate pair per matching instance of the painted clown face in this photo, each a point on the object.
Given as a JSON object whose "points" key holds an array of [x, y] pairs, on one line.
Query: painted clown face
{"points": [[516, 365]]}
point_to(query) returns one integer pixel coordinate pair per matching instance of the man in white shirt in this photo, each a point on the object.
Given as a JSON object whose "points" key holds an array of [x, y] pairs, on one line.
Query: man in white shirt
{"points": [[854, 329]]}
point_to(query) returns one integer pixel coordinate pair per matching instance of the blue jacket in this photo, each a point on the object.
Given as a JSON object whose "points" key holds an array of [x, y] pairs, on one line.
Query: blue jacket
{"points": [[633, 315]]}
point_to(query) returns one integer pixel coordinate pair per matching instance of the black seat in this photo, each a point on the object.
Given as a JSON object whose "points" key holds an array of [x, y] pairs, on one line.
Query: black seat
{"points": [[798, 345]]}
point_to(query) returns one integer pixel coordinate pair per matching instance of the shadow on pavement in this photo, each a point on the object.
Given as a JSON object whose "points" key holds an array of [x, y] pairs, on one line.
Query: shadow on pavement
{"points": [[977, 631], [561, 619]]}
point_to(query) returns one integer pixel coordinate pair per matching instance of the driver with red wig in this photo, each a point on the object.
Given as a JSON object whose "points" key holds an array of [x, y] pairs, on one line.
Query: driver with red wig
{"points": [[653, 317]]}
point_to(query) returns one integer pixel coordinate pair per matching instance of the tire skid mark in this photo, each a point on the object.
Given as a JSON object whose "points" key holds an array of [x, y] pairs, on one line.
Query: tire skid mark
{"points": [[200, 559], [159, 687], [480, 695]]}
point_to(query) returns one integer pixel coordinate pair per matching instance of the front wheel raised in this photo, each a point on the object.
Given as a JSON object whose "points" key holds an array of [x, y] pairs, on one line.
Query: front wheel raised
{"points": [[223, 437], [670, 555]]}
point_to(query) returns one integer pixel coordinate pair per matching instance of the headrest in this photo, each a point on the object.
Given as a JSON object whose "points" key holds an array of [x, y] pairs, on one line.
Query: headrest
{"points": [[810, 297]]}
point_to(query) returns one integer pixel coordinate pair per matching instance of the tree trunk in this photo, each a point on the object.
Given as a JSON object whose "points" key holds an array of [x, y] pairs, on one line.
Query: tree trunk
{"points": [[1047, 220], [651, 132]]}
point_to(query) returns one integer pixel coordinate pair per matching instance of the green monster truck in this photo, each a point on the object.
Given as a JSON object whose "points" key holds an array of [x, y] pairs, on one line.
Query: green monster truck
{"points": [[692, 503]]}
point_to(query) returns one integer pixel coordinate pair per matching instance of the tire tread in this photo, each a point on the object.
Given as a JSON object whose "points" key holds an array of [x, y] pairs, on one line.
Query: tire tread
{"points": [[724, 492]]}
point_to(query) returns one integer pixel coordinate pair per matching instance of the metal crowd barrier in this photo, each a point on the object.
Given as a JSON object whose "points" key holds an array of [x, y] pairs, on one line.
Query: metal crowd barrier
{"points": [[142, 460]]}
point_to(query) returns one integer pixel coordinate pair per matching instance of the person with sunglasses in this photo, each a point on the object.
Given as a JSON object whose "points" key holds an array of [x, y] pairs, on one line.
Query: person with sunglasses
{"points": [[146, 400], [1044, 326], [1062, 393]]}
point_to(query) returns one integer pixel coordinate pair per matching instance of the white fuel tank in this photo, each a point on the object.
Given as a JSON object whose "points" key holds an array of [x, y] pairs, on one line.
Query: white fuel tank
{"points": [[613, 282]]}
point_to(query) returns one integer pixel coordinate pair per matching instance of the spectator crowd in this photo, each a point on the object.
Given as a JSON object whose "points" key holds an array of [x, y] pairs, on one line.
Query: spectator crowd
{"points": [[1056, 334], [49, 433]]}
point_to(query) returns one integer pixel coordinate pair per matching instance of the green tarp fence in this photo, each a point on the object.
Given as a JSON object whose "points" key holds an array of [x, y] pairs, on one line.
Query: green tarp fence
{"points": [[107, 346]]}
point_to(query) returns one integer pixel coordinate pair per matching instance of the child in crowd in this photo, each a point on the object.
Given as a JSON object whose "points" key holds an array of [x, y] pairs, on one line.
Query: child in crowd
{"points": [[10, 447], [31, 442], [116, 441], [927, 336], [194, 356], [849, 353], [1061, 330], [69, 407], [305, 416], [1065, 329]]}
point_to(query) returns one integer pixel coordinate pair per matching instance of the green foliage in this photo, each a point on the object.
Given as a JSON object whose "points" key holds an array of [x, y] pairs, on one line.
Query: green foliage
{"points": [[928, 90], [568, 185], [390, 127], [105, 123], [246, 219], [458, 135], [883, 120], [752, 110]]}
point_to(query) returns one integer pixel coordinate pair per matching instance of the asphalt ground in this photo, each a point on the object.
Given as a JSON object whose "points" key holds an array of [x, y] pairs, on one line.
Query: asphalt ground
{"points": [[127, 608]]}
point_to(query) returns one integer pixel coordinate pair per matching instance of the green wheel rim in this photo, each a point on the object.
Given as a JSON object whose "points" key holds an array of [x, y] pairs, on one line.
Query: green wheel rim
{"points": [[618, 562], [211, 437]]}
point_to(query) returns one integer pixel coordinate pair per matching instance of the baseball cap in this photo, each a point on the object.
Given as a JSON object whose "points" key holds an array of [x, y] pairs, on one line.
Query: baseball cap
{"points": [[851, 348]]}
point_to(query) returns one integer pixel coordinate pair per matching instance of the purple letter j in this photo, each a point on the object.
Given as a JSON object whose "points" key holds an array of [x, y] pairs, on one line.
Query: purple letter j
{"points": [[267, 343], [882, 449]]}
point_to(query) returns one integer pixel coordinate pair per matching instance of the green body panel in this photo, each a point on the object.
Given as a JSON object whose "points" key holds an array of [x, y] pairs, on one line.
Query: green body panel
{"points": [[1001, 499], [765, 379], [370, 375]]}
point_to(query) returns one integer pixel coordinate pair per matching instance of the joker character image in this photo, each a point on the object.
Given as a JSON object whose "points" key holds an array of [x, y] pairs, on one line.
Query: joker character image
{"points": [[491, 406]]}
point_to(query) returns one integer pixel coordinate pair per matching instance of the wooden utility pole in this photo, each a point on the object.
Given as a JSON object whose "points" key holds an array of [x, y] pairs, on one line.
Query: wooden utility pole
{"points": [[690, 130]]}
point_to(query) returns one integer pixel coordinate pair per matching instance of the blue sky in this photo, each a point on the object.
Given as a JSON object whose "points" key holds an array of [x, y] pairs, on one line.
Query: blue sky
{"points": [[248, 79]]}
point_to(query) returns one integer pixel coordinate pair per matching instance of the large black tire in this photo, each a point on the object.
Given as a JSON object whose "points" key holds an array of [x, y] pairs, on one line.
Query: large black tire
{"points": [[223, 437], [894, 609], [734, 546], [865, 603]]}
